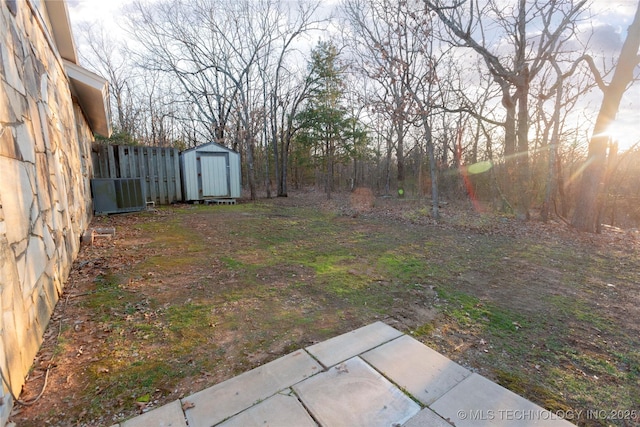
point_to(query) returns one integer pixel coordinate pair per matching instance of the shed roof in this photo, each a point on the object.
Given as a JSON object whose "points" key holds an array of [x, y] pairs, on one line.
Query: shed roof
{"points": [[215, 144]]}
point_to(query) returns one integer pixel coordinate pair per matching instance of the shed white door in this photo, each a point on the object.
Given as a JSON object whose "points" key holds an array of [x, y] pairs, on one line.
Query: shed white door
{"points": [[215, 174]]}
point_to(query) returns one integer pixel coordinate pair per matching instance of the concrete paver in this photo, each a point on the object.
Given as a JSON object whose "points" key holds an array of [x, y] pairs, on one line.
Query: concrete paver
{"points": [[427, 418], [230, 397], [423, 372], [354, 394], [477, 402], [370, 370], [346, 346], [281, 410], [169, 415]]}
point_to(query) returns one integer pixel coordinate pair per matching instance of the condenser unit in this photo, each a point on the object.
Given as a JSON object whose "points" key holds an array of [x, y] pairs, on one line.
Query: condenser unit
{"points": [[116, 195]]}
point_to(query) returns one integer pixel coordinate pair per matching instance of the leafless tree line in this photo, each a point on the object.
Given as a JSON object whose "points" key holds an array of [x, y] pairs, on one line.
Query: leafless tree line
{"points": [[476, 98]]}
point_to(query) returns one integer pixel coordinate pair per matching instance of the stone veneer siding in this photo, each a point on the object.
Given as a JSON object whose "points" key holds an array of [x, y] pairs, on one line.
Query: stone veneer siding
{"points": [[45, 199]]}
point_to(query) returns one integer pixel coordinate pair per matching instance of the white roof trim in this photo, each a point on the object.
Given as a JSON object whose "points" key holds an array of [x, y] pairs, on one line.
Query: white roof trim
{"points": [[207, 144], [61, 28], [92, 92]]}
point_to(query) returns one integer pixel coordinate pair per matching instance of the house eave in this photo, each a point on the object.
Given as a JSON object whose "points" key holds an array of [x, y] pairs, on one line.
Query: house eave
{"points": [[92, 93], [61, 29]]}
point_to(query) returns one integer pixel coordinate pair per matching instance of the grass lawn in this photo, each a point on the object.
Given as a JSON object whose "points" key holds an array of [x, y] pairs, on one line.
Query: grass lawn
{"points": [[191, 295]]}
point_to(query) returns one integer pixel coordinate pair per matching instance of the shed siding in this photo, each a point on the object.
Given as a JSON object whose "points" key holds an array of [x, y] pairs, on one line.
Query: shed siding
{"points": [[210, 170]]}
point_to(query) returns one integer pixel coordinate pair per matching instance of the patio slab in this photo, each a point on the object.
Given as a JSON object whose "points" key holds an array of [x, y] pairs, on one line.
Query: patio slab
{"points": [[230, 397], [427, 418], [346, 346], [169, 415], [478, 402], [354, 394], [423, 372], [380, 385], [282, 410]]}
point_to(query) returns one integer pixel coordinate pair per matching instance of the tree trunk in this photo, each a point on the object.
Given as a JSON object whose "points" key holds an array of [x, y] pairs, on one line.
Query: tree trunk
{"points": [[282, 188], [276, 164], [611, 164], [435, 202], [267, 178], [400, 156], [522, 159], [509, 124], [585, 217], [387, 186], [420, 177], [509, 144], [251, 171], [354, 178], [551, 185]]}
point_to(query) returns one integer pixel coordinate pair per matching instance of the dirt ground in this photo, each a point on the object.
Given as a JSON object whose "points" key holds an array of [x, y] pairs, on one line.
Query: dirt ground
{"points": [[139, 323]]}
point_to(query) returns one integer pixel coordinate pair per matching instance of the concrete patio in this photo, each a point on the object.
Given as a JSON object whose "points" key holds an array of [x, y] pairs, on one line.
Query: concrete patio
{"points": [[373, 376]]}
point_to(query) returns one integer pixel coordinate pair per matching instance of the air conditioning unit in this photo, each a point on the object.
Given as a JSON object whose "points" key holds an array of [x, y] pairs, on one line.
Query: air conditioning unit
{"points": [[116, 195]]}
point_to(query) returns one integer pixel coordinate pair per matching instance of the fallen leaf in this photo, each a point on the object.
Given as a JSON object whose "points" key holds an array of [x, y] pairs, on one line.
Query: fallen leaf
{"points": [[517, 325], [145, 398], [187, 405]]}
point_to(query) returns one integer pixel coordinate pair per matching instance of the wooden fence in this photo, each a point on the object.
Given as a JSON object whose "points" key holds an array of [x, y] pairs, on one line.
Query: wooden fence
{"points": [[158, 167]]}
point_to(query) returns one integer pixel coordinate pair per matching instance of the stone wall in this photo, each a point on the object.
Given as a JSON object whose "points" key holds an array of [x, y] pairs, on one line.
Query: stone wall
{"points": [[45, 203]]}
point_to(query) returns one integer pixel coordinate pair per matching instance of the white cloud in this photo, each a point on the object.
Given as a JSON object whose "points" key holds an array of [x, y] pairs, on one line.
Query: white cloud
{"points": [[106, 12], [606, 38]]}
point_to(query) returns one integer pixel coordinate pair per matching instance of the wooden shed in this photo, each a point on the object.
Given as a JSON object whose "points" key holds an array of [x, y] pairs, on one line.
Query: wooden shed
{"points": [[210, 171]]}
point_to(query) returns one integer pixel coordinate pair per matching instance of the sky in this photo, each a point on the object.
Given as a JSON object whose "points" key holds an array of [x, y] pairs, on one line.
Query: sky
{"points": [[95, 10], [609, 21]]}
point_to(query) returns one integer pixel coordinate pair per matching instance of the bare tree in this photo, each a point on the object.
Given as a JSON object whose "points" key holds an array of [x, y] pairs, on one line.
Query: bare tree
{"points": [[212, 49], [469, 23], [285, 86], [585, 216], [396, 53], [388, 51], [565, 89], [106, 56]]}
